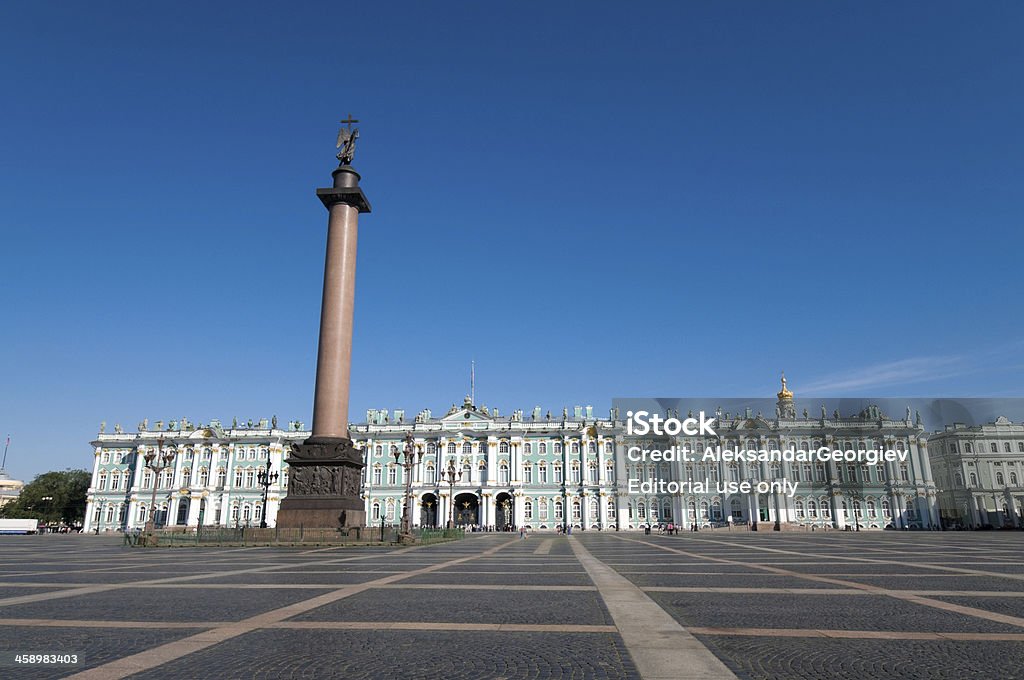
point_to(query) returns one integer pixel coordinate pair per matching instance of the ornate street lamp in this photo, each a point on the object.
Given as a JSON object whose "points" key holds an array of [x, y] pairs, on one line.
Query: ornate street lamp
{"points": [[157, 461], [450, 477], [266, 479], [407, 459]]}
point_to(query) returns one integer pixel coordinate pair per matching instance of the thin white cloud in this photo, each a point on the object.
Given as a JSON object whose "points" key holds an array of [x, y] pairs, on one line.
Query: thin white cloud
{"points": [[902, 372]]}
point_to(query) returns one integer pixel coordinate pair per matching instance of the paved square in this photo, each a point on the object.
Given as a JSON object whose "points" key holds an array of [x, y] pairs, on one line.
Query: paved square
{"points": [[594, 605]]}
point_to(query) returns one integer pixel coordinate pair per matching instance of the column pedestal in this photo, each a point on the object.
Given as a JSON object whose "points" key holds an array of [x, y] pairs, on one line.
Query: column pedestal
{"points": [[323, 486]]}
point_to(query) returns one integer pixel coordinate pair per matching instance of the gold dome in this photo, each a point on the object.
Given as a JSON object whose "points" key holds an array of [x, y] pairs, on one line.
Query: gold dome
{"points": [[784, 394]]}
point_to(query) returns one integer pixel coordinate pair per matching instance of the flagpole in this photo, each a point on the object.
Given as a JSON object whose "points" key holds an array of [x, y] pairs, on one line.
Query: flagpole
{"points": [[472, 381], [8, 443]]}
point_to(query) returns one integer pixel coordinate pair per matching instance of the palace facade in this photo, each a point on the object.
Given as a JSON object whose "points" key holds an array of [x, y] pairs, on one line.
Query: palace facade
{"points": [[476, 467], [980, 471]]}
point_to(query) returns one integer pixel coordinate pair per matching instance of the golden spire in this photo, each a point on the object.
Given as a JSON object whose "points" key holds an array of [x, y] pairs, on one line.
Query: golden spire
{"points": [[784, 394]]}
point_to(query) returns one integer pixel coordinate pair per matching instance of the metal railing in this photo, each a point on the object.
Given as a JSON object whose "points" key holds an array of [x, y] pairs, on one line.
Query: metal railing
{"points": [[243, 536]]}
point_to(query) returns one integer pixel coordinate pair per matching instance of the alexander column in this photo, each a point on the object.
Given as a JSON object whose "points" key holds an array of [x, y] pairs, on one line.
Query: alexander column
{"points": [[325, 471]]}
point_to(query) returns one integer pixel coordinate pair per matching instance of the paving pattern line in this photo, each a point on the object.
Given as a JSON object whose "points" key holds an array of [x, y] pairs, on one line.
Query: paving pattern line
{"points": [[420, 625], [545, 547], [858, 634], [869, 560], [906, 596], [89, 590], [157, 656], [661, 648]]}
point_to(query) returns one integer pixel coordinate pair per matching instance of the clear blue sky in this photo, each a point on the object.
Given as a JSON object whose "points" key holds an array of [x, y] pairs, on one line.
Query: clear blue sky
{"points": [[592, 200]]}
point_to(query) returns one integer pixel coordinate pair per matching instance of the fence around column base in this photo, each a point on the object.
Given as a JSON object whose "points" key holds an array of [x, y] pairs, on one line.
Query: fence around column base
{"points": [[254, 536]]}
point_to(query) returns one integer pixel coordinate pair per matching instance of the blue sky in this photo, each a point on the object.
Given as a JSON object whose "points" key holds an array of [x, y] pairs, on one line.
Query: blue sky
{"points": [[591, 201]]}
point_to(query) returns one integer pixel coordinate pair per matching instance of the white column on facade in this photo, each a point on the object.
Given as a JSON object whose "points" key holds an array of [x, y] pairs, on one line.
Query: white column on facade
{"points": [[620, 485], [193, 510], [490, 448], [517, 509]]}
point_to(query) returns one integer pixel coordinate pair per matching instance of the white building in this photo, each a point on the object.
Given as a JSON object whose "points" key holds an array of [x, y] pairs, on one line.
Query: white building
{"points": [[534, 470], [980, 472]]}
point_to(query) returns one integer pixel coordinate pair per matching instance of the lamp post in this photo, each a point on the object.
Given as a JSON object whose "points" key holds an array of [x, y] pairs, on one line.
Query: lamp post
{"points": [[266, 479], [407, 459], [450, 477], [157, 461], [856, 499]]}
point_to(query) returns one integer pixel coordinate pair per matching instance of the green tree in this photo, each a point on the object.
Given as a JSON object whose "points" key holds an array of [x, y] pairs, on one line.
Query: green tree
{"points": [[57, 496]]}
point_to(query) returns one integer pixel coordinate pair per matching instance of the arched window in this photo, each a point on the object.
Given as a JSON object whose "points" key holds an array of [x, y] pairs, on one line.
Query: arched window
{"points": [[609, 449], [503, 473], [503, 447], [885, 507], [528, 509], [911, 512], [246, 513], [257, 512], [110, 513], [641, 510], [527, 448], [467, 448], [558, 447], [452, 448], [558, 509], [467, 473], [592, 447], [222, 476], [375, 510], [186, 477], [968, 448], [431, 474], [543, 448], [1000, 479], [993, 447], [800, 509], [959, 479], [704, 510], [142, 513], [431, 448], [234, 513], [1013, 479], [593, 473], [204, 477], [826, 509], [1006, 447], [575, 447], [904, 473], [872, 510], [974, 479], [577, 511]]}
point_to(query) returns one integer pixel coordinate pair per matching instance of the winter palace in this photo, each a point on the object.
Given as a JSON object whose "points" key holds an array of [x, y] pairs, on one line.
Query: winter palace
{"points": [[478, 468]]}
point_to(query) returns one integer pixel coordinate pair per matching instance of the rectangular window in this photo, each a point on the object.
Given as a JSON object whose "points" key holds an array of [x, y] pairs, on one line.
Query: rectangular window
{"points": [[528, 474]]}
